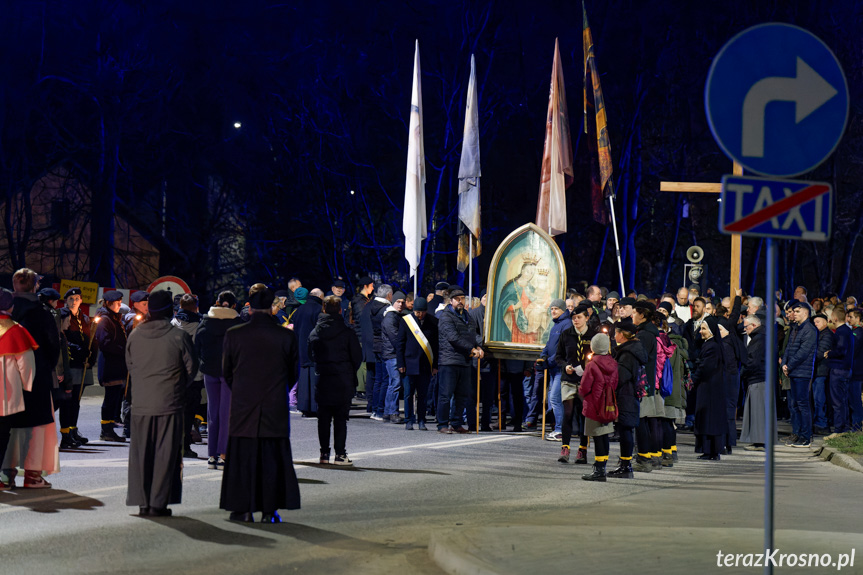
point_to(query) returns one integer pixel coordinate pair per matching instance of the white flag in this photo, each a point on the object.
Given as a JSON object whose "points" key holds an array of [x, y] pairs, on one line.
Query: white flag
{"points": [[414, 223], [468, 176]]}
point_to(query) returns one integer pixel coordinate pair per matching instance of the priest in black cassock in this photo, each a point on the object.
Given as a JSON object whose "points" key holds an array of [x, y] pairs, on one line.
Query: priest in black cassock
{"points": [[259, 365], [162, 362]]}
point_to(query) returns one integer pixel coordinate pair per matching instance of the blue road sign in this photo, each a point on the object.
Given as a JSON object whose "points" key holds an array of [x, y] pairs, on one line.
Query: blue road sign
{"points": [[777, 100], [774, 208]]}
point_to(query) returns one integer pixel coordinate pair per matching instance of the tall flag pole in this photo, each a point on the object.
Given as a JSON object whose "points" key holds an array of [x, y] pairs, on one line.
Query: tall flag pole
{"points": [[414, 222], [596, 128], [557, 171], [468, 184]]}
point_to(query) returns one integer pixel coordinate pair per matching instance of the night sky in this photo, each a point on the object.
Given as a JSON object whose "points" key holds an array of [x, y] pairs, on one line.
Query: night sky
{"points": [[139, 101]]}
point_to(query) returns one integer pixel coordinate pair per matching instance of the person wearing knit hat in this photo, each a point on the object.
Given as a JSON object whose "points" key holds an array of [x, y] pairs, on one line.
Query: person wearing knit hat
{"points": [[599, 375], [162, 361]]}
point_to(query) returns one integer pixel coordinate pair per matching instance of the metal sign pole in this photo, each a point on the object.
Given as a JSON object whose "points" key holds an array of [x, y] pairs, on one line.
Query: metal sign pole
{"points": [[771, 362]]}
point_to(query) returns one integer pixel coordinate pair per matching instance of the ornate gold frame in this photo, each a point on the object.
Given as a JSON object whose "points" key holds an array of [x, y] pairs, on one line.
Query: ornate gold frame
{"points": [[507, 349]]}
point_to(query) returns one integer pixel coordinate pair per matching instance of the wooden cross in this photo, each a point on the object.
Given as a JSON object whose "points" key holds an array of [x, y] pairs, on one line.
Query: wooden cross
{"points": [[736, 239]]}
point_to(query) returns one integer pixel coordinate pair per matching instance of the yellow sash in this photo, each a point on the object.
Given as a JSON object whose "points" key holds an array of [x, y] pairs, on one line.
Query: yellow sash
{"points": [[420, 337]]}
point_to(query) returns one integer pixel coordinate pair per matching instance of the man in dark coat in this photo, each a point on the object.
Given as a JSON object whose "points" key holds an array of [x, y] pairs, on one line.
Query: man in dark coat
{"points": [[820, 424], [358, 304], [648, 434], [798, 363], [162, 360], [304, 321], [112, 371], [28, 312], [372, 318], [841, 358], [417, 359], [40, 323], [82, 351], [753, 376], [334, 350], [459, 342], [855, 319], [259, 365]]}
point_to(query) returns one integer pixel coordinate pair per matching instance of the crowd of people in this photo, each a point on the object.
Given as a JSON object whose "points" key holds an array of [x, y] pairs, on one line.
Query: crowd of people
{"points": [[631, 369]]}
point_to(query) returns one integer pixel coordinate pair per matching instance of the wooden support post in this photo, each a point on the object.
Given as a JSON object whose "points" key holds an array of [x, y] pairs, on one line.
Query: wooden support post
{"points": [[544, 401], [499, 409], [478, 367], [736, 239]]}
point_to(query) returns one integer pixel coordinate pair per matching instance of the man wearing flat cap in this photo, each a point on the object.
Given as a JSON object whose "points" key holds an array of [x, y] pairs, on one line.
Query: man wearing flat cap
{"points": [[440, 290], [798, 363], [259, 365], [163, 363], [459, 341], [338, 289]]}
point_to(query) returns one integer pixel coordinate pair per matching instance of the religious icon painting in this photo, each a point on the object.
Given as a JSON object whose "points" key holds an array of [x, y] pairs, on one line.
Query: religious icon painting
{"points": [[526, 274]]}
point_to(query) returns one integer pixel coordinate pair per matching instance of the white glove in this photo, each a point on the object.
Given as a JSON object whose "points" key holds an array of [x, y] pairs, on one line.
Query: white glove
{"points": [[579, 371]]}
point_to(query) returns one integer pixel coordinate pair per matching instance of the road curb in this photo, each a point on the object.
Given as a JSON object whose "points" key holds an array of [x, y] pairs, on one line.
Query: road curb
{"points": [[447, 550], [840, 459]]}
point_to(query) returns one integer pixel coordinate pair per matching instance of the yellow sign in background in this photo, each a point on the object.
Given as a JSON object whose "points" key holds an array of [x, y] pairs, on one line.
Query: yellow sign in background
{"points": [[89, 290]]}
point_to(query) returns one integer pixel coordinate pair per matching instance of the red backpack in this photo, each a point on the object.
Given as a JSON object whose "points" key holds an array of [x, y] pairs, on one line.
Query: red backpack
{"points": [[609, 405]]}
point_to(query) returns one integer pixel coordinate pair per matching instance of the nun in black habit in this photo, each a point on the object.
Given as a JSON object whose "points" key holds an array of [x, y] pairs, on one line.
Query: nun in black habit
{"points": [[711, 424], [259, 364], [162, 361]]}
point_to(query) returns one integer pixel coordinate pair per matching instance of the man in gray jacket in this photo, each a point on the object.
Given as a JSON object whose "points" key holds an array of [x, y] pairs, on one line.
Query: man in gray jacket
{"points": [[162, 361]]}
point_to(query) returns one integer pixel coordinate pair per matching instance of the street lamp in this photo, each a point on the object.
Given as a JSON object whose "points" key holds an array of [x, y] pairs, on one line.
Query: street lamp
{"points": [[238, 125]]}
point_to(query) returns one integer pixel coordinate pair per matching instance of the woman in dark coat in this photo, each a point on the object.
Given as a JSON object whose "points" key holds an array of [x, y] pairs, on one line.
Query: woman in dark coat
{"points": [[259, 365], [631, 358], [335, 351], [111, 339], [711, 424], [208, 344]]}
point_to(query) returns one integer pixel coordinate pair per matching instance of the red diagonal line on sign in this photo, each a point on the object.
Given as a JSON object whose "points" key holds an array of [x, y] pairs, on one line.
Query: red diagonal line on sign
{"points": [[777, 208]]}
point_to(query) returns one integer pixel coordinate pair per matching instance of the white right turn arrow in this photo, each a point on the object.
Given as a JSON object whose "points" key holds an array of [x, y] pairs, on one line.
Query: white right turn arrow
{"points": [[809, 91]]}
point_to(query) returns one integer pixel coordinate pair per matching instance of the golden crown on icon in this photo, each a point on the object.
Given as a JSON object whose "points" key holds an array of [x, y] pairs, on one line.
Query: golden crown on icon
{"points": [[543, 271], [531, 258]]}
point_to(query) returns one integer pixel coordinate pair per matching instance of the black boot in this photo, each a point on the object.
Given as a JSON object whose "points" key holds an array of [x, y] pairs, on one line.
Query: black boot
{"points": [[76, 435], [581, 456], [68, 442], [598, 472], [623, 470], [108, 433]]}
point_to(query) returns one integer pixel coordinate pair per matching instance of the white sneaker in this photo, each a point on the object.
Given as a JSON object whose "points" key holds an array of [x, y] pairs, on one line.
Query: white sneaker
{"points": [[376, 417], [552, 436]]}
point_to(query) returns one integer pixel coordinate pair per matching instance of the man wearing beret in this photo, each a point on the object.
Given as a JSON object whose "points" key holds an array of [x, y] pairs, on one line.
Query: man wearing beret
{"points": [[137, 314], [459, 341], [82, 351], [112, 371], [798, 363], [259, 365]]}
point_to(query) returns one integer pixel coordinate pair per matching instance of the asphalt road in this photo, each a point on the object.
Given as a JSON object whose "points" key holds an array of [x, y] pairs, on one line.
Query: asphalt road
{"points": [[375, 517]]}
